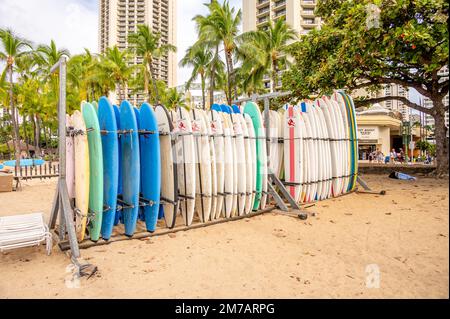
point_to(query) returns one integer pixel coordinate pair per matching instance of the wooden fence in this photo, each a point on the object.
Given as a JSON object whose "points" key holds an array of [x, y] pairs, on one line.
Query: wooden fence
{"points": [[47, 170]]}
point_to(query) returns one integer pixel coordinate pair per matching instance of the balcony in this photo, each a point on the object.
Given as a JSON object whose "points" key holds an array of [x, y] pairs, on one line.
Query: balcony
{"points": [[262, 3], [308, 3], [280, 4]]}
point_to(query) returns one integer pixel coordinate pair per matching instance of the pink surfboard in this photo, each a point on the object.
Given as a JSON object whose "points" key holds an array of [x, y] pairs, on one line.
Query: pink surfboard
{"points": [[70, 158]]}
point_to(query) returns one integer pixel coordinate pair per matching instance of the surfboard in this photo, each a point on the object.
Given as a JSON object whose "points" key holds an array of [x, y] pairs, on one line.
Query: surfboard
{"points": [[217, 137], [110, 150], [118, 215], [96, 171], [202, 152], [185, 151], [137, 114], [81, 151], [334, 150], [253, 155], [228, 161], [130, 167], [212, 156], [227, 113], [240, 163], [253, 111], [150, 165], [248, 165], [169, 175], [293, 152], [70, 158]]}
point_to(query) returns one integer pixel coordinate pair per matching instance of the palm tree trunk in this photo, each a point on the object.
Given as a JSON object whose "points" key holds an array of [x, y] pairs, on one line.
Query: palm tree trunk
{"points": [[25, 135], [202, 76], [212, 85], [155, 86], [37, 133], [16, 140], [274, 75], [229, 71], [147, 95]]}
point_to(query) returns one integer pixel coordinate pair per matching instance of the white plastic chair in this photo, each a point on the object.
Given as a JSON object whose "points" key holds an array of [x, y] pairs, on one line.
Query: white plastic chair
{"points": [[24, 231]]}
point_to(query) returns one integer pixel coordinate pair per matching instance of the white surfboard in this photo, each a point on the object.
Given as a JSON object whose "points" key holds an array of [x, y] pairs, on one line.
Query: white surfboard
{"points": [[264, 189], [169, 176], [203, 177], [185, 158], [240, 163], [213, 165], [229, 165], [248, 166], [217, 136]]}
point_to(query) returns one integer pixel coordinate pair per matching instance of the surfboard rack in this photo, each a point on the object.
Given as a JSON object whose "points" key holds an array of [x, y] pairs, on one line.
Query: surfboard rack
{"points": [[62, 207], [273, 182]]}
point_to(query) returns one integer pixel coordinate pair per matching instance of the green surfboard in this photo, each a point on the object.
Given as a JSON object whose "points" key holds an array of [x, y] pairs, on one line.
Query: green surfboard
{"points": [[253, 111], [95, 171]]}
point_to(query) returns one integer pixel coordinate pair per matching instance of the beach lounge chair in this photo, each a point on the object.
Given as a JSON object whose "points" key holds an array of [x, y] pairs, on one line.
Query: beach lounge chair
{"points": [[24, 231]]}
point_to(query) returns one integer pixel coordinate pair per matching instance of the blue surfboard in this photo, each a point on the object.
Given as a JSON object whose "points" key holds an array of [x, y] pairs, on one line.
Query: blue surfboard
{"points": [[118, 217], [138, 116], [236, 109], [150, 165], [130, 166], [110, 146], [216, 107]]}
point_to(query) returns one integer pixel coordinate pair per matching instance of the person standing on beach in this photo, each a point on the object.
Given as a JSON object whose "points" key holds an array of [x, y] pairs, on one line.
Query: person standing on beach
{"points": [[393, 156]]}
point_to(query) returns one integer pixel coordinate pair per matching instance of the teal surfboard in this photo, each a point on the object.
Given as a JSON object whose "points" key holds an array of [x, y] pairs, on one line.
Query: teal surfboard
{"points": [[95, 214]]}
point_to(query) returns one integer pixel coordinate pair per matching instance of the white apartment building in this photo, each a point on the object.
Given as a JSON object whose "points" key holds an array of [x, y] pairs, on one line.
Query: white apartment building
{"points": [[298, 14], [119, 18], [444, 72]]}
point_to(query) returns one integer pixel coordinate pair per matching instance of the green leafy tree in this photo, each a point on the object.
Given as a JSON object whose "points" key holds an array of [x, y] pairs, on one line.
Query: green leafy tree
{"points": [[199, 58], [221, 26], [148, 45], [13, 47], [174, 99], [369, 44], [264, 51], [116, 63]]}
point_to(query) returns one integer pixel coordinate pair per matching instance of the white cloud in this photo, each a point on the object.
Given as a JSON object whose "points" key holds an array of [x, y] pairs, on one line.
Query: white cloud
{"points": [[71, 23]]}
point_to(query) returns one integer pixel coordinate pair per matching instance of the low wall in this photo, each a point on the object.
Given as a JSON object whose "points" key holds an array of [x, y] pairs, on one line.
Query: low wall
{"points": [[386, 169]]}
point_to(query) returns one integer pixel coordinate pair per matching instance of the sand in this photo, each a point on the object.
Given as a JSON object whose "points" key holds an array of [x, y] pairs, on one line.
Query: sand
{"points": [[403, 235]]}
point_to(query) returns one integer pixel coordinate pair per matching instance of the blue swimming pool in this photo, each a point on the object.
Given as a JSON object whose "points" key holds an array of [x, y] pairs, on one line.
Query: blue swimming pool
{"points": [[25, 162]]}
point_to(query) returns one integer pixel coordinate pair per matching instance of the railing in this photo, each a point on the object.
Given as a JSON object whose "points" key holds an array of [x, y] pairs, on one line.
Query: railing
{"points": [[45, 171]]}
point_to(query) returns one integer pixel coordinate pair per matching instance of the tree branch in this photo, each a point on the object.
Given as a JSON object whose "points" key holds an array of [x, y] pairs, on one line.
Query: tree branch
{"points": [[403, 83], [402, 99]]}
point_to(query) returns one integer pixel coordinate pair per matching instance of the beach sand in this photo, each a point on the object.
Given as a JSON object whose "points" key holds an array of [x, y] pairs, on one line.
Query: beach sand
{"points": [[404, 235]]}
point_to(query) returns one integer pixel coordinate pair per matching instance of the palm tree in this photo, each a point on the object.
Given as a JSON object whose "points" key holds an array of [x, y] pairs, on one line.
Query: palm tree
{"points": [[221, 26], [147, 45], [268, 48], [13, 47], [199, 58], [174, 99], [117, 62]]}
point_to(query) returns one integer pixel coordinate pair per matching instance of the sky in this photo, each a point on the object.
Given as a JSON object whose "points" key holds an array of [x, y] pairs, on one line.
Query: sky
{"points": [[73, 24]]}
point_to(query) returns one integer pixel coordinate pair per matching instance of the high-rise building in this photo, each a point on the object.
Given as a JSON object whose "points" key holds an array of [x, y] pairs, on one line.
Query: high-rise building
{"points": [[119, 18], [444, 73], [298, 14]]}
